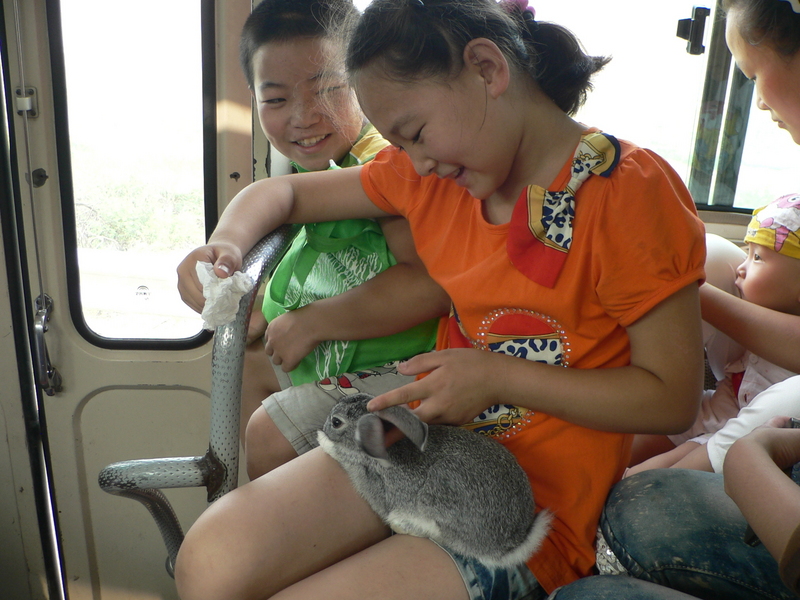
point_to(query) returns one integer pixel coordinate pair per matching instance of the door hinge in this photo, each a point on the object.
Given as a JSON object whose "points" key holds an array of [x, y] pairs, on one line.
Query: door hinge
{"points": [[27, 102], [47, 376]]}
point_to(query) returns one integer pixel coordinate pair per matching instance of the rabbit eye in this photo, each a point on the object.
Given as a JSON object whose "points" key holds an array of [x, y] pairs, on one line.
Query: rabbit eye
{"points": [[336, 422]]}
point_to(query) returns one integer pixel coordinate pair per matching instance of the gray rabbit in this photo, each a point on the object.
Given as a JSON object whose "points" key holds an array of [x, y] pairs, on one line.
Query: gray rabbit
{"points": [[461, 489]]}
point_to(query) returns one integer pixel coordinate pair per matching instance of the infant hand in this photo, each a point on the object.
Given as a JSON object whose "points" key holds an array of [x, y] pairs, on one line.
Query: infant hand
{"points": [[290, 338]]}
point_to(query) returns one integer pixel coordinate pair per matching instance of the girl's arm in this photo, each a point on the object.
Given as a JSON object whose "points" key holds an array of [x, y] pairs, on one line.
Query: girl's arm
{"points": [[765, 332], [658, 393], [396, 299], [769, 500], [265, 205]]}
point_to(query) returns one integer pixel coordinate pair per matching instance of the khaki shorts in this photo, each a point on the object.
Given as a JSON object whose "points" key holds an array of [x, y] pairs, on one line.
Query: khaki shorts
{"points": [[300, 411]]}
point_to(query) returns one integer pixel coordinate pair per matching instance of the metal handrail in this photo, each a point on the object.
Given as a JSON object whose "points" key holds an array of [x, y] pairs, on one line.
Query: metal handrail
{"points": [[218, 469]]}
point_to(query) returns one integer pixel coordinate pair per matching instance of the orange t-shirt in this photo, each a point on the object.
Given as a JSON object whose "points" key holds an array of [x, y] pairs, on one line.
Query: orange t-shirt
{"points": [[636, 241]]}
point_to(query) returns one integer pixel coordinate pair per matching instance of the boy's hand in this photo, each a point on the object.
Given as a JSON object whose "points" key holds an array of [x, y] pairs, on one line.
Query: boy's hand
{"points": [[257, 326], [226, 259], [290, 337], [455, 391]]}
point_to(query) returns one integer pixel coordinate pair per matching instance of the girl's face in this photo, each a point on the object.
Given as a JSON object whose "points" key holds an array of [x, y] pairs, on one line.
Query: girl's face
{"points": [[290, 80], [443, 127], [777, 78], [770, 279]]}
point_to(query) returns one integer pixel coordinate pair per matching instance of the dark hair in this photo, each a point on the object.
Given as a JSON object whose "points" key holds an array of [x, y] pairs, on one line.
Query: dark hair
{"points": [[283, 20], [414, 39], [770, 22]]}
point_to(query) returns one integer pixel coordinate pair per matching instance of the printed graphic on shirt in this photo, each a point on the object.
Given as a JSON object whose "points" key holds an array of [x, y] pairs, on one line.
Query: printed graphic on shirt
{"points": [[347, 384], [515, 332], [540, 232], [340, 271]]}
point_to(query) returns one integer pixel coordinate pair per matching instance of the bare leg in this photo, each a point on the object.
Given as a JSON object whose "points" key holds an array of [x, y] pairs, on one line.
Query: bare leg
{"points": [[258, 377], [276, 531], [400, 567], [266, 448]]}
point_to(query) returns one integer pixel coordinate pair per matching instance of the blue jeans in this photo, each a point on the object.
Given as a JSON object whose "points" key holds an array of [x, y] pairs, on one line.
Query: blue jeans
{"points": [[616, 587], [677, 528]]}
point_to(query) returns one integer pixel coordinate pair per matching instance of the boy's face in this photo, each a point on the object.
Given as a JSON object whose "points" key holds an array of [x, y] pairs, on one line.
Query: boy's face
{"points": [[289, 80], [770, 279]]}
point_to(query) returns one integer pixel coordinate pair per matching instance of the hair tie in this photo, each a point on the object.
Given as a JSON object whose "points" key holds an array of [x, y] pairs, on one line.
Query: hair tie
{"points": [[417, 4], [795, 5], [527, 12]]}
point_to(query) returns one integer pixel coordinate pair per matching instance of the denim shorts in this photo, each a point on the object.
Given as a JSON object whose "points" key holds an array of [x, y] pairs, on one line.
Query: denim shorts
{"points": [[488, 583]]}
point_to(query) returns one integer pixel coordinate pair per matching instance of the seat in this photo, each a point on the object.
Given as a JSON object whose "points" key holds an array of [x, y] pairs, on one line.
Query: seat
{"points": [[218, 469]]}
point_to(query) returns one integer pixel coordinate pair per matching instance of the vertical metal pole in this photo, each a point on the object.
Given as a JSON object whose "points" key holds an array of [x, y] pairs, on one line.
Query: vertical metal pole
{"points": [[712, 108]]}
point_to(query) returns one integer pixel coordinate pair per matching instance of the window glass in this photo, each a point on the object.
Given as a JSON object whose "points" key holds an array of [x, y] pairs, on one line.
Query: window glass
{"points": [[767, 170], [134, 97], [650, 92]]}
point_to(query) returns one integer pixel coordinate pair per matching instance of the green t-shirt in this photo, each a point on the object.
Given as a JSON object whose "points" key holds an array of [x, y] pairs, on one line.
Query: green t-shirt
{"points": [[327, 259]]}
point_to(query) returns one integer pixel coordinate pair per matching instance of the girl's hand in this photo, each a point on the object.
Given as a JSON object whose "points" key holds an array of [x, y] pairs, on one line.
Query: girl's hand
{"points": [[290, 337], [462, 384], [226, 258], [778, 439]]}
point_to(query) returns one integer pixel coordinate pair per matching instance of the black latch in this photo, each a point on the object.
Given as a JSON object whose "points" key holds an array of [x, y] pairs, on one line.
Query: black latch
{"points": [[692, 30]]}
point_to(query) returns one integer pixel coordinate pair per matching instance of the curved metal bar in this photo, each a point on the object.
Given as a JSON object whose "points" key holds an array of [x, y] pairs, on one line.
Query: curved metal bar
{"points": [[160, 473], [166, 520], [227, 362], [218, 470]]}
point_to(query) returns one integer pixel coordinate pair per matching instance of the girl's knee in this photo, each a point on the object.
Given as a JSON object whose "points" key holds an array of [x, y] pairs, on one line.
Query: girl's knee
{"points": [[266, 448], [200, 574]]}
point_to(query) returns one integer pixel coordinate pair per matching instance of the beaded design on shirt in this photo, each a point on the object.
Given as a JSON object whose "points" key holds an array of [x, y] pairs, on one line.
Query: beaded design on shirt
{"points": [[549, 345]]}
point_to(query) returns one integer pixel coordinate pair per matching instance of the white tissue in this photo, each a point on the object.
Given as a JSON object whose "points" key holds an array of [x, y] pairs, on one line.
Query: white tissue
{"points": [[222, 295]]}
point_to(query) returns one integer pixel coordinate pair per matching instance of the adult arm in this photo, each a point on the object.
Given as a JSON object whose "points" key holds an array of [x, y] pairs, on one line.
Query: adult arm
{"points": [[769, 500], [765, 332]]}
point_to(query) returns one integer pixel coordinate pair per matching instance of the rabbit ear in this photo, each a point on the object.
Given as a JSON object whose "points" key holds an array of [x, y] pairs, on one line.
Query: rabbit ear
{"points": [[407, 422], [369, 435]]}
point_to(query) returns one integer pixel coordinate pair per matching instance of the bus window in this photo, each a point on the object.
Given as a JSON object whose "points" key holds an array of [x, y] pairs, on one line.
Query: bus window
{"points": [[766, 173], [134, 104], [651, 93]]}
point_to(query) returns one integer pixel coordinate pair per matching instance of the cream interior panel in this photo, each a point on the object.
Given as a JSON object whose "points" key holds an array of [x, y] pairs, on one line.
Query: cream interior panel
{"points": [[112, 546]]}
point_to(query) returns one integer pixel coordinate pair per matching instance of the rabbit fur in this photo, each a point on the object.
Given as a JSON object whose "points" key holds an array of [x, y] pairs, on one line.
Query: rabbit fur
{"points": [[461, 489]]}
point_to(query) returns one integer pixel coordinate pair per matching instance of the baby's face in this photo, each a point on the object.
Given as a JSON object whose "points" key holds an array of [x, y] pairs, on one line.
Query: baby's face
{"points": [[290, 80], [770, 279]]}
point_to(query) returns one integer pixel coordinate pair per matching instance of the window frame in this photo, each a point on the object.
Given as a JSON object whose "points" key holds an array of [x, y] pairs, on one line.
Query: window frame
{"points": [[64, 162]]}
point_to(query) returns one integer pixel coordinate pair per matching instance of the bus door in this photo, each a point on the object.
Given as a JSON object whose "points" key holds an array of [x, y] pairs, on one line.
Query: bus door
{"points": [[124, 123]]}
